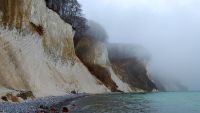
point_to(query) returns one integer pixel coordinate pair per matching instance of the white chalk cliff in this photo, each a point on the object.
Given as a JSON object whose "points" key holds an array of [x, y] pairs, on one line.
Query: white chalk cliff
{"points": [[37, 54], [44, 64]]}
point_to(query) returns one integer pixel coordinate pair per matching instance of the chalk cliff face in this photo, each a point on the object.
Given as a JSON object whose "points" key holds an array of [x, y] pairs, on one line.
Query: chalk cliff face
{"points": [[131, 68], [39, 55], [119, 67], [94, 55]]}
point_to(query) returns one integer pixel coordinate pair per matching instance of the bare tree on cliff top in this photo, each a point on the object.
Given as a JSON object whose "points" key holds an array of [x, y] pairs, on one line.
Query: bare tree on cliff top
{"points": [[70, 11]]}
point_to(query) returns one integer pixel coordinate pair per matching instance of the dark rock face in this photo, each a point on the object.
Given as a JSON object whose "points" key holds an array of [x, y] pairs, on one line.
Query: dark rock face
{"points": [[131, 71], [85, 50]]}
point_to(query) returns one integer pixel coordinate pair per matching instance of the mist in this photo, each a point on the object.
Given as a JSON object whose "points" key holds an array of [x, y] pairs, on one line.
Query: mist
{"points": [[168, 29], [96, 31]]}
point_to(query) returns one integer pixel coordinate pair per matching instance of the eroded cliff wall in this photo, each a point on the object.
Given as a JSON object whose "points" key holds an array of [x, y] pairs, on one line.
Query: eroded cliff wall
{"points": [[37, 52], [94, 55], [130, 65]]}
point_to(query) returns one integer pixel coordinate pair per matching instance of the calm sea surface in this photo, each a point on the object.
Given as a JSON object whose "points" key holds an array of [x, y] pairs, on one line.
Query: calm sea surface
{"points": [[166, 102]]}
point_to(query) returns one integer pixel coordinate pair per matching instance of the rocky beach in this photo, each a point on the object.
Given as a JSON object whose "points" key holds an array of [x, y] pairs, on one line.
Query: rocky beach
{"points": [[54, 104]]}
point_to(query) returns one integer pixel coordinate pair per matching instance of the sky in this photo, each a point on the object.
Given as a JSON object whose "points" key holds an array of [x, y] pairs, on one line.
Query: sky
{"points": [[168, 29]]}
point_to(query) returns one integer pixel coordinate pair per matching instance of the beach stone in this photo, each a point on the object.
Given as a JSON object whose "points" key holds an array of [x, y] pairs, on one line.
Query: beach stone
{"points": [[43, 107], [73, 92], [65, 109], [41, 112], [25, 95], [14, 99], [73, 105], [52, 109], [4, 98]]}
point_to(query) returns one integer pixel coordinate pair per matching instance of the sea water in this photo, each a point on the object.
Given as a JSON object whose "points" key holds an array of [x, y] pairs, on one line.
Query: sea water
{"points": [[161, 102]]}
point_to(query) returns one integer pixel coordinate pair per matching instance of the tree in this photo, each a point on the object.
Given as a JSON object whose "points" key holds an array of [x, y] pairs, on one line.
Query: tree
{"points": [[70, 11]]}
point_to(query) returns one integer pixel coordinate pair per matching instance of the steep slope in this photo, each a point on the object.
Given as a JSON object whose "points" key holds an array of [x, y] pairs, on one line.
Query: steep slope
{"points": [[39, 55], [94, 55], [129, 63]]}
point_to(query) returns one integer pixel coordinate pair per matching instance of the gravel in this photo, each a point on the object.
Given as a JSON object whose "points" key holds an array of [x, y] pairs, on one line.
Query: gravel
{"points": [[40, 104]]}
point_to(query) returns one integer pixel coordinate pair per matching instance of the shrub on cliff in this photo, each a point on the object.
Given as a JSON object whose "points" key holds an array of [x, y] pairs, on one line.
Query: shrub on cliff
{"points": [[70, 11]]}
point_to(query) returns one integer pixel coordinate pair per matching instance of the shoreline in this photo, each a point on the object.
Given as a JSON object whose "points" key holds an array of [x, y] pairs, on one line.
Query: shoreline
{"points": [[53, 103], [45, 104], [40, 105], [50, 104]]}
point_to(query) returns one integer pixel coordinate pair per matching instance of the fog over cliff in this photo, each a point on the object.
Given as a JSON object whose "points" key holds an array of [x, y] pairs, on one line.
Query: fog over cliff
{"points": [[169, 29], [34, 35]]}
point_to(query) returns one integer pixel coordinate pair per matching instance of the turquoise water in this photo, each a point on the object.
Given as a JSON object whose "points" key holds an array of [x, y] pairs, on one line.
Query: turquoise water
{"points": [[164, 102]]}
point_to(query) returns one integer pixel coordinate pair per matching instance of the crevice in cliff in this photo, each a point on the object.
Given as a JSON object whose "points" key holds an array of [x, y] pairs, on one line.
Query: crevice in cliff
{"points": [[103, 75], [38, 28]]}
